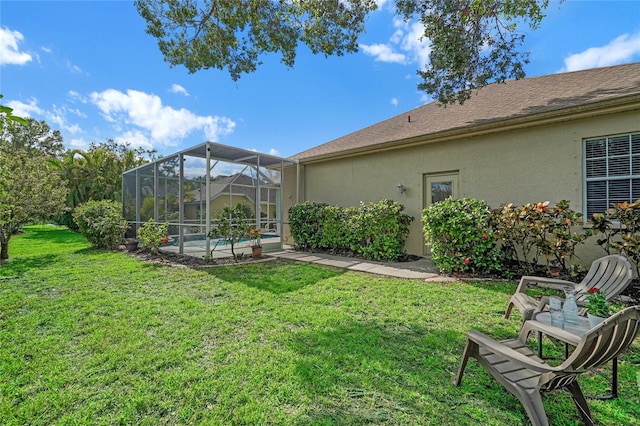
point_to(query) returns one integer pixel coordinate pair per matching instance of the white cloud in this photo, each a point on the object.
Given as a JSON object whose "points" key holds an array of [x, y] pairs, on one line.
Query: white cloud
{"points": [[406, 45], [25, 110], [414, 42], [54, 115], [9, 52], [383, 53], [394, 101], [176, 88], [74, 69], [381, 3], [58, 116], [164, 124], [275, 152], [77, 143], [619, 50], [135, 139]]}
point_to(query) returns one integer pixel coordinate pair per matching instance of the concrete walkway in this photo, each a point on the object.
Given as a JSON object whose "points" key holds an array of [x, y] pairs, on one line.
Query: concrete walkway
{"points": [[422, 269]]}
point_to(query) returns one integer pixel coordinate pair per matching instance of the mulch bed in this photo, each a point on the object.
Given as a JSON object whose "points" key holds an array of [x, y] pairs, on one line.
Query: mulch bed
{"points": [[180, 260], [633, 293]]}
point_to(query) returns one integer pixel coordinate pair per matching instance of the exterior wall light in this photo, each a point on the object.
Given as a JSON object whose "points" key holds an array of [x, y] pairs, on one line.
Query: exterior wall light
{"points": [[402, 188]]}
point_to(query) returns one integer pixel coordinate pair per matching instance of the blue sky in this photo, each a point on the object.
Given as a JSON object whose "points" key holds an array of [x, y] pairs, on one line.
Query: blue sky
{"points": [[89, 70]]}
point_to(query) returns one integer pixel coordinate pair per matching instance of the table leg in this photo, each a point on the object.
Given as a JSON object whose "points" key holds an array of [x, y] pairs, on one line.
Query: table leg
{"points": [[614, 382], [540, 344]]}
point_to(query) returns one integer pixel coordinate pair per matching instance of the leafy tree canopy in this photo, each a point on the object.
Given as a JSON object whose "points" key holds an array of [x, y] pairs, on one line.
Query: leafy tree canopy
{"points": [[473, 42], [31, 137], [96, 174], [29, 192]]}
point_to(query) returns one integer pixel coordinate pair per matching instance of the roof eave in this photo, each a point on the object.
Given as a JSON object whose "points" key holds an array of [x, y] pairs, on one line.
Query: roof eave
{"points": [[617, 105]]}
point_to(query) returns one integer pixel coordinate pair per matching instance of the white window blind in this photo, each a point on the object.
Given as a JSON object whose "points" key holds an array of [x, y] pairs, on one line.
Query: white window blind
{"points": [[612, 171]]}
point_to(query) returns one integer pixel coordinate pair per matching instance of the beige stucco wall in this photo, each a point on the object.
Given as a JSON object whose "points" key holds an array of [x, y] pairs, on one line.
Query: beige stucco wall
{"points": [[531, 164]]}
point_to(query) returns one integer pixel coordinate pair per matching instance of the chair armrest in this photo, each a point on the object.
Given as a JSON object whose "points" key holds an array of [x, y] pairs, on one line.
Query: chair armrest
{"points": [[549, 330], [553, 283], [484, 341]]}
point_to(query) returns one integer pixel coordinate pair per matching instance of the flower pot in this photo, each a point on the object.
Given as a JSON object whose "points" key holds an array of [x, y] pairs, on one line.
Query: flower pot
{"points": [[594, 320], [256, 252], [131, 244]]}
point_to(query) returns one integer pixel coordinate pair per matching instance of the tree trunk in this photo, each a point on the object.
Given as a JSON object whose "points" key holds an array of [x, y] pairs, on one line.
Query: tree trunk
{"points": [[4, 244]]}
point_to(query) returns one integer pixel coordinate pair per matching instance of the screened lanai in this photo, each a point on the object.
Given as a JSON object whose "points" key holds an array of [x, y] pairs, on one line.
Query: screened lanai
{"points": [[188, 189]]}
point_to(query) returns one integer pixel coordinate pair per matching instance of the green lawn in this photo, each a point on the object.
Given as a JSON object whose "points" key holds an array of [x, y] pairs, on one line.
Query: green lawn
{"points": [[96, 337]]}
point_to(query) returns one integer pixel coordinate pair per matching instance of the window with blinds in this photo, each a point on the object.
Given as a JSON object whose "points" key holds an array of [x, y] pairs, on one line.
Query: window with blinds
{"points": [[612, 172]]}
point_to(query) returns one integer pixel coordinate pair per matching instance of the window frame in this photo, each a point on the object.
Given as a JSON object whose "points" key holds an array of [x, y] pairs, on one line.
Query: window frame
{"points": [[611, 172]]}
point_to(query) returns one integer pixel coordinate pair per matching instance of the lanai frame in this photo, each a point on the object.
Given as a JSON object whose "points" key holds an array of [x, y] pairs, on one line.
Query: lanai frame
{"points": [[170, 189]]}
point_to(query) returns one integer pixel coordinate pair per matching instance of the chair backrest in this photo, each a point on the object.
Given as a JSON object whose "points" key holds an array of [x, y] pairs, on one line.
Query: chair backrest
{"points": [[611, 274], [605, 341]]}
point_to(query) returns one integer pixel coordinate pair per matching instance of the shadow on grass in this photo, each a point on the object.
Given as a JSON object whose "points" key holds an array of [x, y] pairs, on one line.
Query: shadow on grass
{"points": [[272, 277], [52, 235], [372, 374], [20, 265]]}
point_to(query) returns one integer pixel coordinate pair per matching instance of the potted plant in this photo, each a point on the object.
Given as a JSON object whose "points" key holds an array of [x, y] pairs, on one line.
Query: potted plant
{"points": [[130, 243], [256, 246], [598, 308]]}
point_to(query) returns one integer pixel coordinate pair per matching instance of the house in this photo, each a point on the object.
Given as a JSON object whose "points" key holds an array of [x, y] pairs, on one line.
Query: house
{"points": [[573, 136]]}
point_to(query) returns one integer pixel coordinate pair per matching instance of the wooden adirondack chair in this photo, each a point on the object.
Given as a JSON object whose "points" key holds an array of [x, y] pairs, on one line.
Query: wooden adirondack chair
{"points": [[611, 274], [525, 375]]}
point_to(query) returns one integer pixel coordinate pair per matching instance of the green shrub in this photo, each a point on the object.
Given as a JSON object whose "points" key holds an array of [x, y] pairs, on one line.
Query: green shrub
{"points": [[382, 230], [101, 223], [461, 238], [376, 231], [305, 221], [333, 234], [231, 224], [151, 235], [535, 232], [620, 227]]}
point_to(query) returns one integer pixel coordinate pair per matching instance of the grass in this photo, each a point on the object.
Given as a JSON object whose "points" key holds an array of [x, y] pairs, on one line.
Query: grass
{"points": [[99, 337]]}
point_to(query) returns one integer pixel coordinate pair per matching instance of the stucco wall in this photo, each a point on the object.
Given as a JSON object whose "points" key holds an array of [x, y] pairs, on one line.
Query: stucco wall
{"points": [[538, 163]]}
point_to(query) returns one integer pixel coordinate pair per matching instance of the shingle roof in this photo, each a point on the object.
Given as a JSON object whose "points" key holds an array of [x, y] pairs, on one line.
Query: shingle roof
{"points": [[497, 103]]}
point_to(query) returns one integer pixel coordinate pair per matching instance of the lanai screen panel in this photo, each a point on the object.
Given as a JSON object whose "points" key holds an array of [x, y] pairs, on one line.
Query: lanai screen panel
{"points": [[194, 199], [129, 196], [168, 190], [146, 193]]}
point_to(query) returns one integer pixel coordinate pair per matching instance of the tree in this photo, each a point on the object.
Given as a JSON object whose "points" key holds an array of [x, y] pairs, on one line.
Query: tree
{"points": [[231, 224], [96, 174], [29, 191], [473, 42], [32, 137]]}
